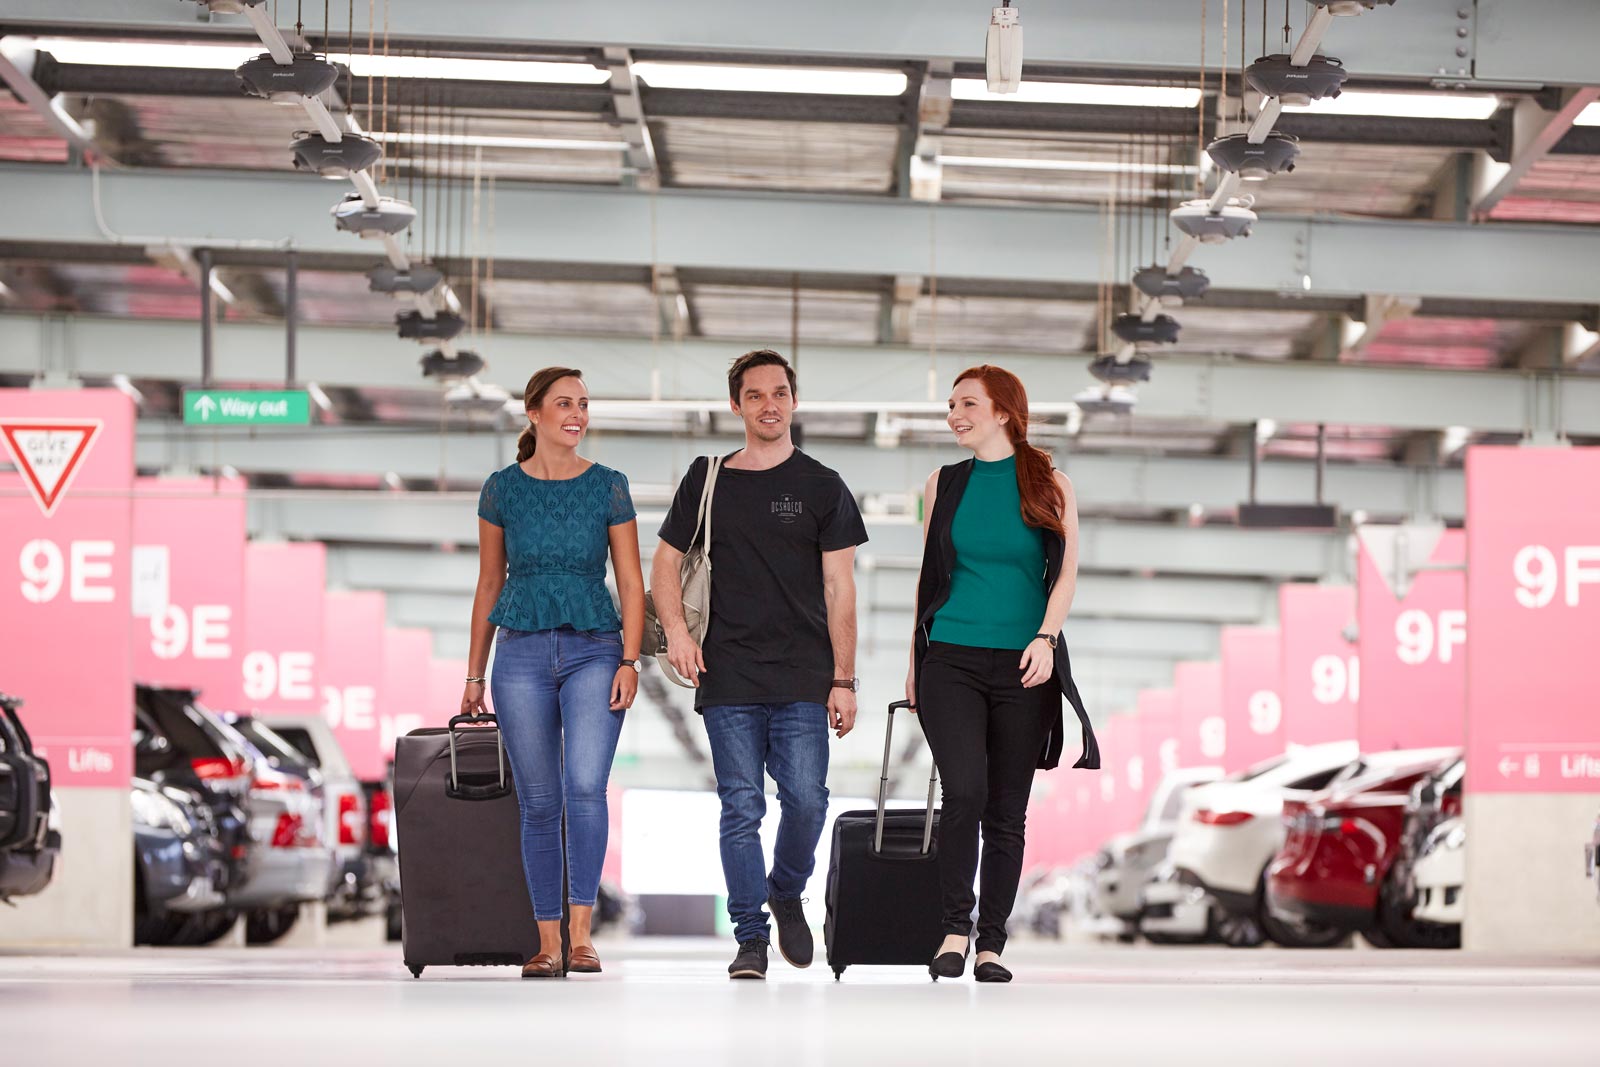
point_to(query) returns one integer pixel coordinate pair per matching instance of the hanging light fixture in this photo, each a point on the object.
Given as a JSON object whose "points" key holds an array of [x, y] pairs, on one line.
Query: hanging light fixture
{"points": [[1195, 218], [1350, 7], [334, 159], [1276, 75], [417, 278], [1254, 162], [444, 325], [437, 364], [1136, 330], [1171, 290], [389, 217], [1113, 371], [287, 83]]}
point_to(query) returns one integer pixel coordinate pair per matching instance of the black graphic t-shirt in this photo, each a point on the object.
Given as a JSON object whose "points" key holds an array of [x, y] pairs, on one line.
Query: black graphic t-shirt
{"points": [[768, 638]]}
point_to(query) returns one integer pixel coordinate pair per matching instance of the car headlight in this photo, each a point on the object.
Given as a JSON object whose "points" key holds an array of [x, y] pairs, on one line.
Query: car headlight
{"points": [[1102, 860], [159, 813], [1456, 837]]}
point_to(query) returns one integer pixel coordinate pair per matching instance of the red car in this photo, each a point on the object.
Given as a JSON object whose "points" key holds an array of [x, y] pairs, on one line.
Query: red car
{"points": [[1334, 868]]}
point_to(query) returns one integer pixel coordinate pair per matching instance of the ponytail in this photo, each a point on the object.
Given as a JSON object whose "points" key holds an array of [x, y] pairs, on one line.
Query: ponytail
{"points": [[532, 397], [1042, 498]]}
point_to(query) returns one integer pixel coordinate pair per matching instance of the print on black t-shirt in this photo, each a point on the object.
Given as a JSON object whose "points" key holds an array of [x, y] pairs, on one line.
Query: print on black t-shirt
{"points": [[768, 638]]}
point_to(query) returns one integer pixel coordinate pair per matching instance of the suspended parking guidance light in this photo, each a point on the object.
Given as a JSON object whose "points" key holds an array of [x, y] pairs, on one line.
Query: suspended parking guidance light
{"points": [[1106, 400], [446, 368], [1195, 218], [443, 326], [1351, 7], [390, 216], [1236, 154], [420, 278], [1136, 330], [288, 83], [1113, 371], [334, 159], [1171, 290], [1276, 75]]}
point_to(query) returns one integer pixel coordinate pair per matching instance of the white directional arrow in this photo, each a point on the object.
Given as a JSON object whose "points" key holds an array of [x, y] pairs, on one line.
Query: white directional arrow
{"points": [[205, 406], [1507, 766]]}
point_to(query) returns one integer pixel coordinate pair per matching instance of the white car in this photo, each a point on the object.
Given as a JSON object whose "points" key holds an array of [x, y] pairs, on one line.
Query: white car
{"points": [[1440, 874], [1171, 913], [1126, 862], [1229, 831]]}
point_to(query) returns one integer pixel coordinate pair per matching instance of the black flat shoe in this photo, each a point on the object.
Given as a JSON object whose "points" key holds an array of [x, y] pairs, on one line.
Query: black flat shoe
{"points": [[948, 965], [990, 972]]}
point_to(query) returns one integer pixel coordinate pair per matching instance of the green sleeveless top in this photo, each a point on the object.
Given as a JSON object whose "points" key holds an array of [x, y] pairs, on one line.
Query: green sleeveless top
{"points": [[997, 593]]}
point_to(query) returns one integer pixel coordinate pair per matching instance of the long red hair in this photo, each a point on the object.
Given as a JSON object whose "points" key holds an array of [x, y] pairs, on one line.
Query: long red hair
{"points": [[1042, 498]]}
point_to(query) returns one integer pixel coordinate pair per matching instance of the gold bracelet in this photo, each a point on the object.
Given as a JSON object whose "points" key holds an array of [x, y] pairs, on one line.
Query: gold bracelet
{"points": [[478, 680]]}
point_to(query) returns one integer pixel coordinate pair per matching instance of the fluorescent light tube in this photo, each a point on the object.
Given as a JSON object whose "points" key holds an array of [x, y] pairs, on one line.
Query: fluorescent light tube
{"points": [[1589, 116], [1087, 166], [484, 141], [736, 78], [227, 57], [1078, 93], [1406, 105]]}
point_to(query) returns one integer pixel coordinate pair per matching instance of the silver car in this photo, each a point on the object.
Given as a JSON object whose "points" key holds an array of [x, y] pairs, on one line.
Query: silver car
{"points": [[1128, 860]]}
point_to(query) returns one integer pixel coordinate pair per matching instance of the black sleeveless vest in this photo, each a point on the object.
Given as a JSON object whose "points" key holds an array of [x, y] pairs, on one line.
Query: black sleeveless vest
{"points": [[933, 589]]}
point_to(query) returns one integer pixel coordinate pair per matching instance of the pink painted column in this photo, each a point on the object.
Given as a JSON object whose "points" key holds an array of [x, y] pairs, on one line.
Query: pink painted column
{"points": [[1202, 731], [353, 665], [283, 626], [1252, 700], [1321, 670]]}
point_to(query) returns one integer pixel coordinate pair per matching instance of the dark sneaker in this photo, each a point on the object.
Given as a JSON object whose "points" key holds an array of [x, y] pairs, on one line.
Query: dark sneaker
{"points": [[751, 962], [794, 933]]}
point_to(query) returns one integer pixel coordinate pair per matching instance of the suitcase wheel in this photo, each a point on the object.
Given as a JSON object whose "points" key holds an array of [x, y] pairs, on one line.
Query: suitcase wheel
{"points": [[415, 969], [838, 972]]}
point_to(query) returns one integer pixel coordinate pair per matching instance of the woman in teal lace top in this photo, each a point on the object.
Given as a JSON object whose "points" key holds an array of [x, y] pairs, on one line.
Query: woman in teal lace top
{"points": [[566, 665]]}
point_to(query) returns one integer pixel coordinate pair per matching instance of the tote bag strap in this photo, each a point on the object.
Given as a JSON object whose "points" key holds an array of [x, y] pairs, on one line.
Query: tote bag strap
{"points": [[702, 520]]}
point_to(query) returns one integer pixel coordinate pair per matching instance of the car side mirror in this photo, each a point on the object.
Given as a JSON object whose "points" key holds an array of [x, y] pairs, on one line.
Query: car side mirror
{"points": [[146, 744]]}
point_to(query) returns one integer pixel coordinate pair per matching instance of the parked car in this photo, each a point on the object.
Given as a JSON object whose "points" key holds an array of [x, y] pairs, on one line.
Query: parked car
{"points": [[1336, 864], [1434, 800], [1125, 863], [1591, 853], [1440, 876], [366, 874], [180, 866], [1229, 831], [291, 861], [177, 743], [1173, 912], [30, 825]]}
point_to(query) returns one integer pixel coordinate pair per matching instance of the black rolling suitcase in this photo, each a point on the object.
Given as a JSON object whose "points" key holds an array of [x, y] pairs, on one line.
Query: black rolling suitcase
{"points": [[463, 898], [883, 881]]}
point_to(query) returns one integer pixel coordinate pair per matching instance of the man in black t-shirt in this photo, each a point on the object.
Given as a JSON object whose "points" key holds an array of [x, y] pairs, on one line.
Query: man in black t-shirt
{"points": [[777, 669]]}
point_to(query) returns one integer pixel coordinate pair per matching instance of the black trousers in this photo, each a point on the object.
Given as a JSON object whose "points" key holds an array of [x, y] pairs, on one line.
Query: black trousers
{"points": [[986, 732]]}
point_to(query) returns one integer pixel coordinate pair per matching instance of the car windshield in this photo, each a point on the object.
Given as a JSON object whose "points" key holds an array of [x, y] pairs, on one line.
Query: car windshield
{"points": [[277, 749], [300, 738], [1174, 805], [1266, 766]]}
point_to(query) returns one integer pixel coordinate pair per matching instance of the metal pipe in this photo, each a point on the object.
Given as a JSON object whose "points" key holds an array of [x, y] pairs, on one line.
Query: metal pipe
{"points": [[1322, 456], [203, 257], [291, 315]]}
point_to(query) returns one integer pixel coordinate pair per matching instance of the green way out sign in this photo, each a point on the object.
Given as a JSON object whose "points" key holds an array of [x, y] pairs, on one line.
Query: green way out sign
{"points": [[234, 407]]}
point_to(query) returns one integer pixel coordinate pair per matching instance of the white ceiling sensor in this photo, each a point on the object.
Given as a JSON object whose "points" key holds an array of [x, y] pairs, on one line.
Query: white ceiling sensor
{"points": [[1002, 55], [1088, 93], [1374, 104], [746, 78]]}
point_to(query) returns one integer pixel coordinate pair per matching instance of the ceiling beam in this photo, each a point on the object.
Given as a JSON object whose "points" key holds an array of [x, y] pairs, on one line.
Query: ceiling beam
{"points": [[1415, 41], [1220, 389], [795, 233], [655, 462], [1535, 131]]}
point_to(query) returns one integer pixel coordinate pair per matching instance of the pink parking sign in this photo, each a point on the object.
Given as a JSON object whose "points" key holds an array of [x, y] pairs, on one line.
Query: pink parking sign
{"points": [[1202, 731], [1158, 733], [1252, 697], [283, 585], [1413, 651], [1533, 598], [447, 680], [1321, 671], [188, 585], [66, 530], [353, 664], [406, 692]]}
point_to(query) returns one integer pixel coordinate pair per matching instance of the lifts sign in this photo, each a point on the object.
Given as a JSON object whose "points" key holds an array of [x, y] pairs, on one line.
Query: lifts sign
{"points": [[1533, 595]]}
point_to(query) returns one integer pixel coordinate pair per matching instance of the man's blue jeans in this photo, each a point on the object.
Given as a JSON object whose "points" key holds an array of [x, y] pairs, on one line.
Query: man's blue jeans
{"points": [[790, 741], [552, 695]]}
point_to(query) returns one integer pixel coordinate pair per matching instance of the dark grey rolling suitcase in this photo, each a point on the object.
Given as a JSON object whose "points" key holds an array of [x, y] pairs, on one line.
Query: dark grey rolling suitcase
{"points": [[883, 881], [463, 898]]}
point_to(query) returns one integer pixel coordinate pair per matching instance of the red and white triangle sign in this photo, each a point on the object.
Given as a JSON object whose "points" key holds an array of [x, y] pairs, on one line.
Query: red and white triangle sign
{"points": [[48, 452]]}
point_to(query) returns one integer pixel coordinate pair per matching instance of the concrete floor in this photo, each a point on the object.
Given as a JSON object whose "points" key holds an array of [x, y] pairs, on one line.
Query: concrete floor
{"points": [[666, 1001]]}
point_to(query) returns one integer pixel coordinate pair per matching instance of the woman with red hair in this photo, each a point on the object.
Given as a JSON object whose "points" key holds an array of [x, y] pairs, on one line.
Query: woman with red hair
{"points": [[989, 669]]}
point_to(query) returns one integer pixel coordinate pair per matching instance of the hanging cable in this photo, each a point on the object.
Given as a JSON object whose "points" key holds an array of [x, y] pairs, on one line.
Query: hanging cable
{"points": [[1200, 109]]}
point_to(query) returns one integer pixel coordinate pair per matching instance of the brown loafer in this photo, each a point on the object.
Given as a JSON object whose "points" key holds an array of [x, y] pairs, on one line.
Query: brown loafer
{"points": [[544, 965], [583, 960]]}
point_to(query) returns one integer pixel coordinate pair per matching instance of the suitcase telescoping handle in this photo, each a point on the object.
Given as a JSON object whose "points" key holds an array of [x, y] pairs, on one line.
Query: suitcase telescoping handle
{"points": [[883, 788], [500, 752]]}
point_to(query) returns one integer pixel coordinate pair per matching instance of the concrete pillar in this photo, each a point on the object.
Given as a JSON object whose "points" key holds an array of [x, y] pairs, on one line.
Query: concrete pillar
{"points": [[89, 902], [1526, 890]]}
